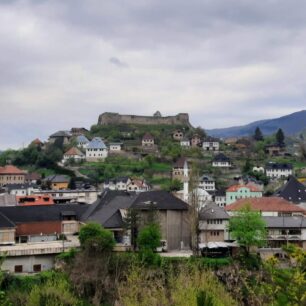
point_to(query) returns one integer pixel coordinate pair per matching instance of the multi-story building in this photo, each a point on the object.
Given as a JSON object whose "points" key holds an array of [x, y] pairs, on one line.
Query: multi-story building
{"points": [[221, 161], [96, 150], [207, 183], [236, 192], [211, 144], [10, 174], [278, 170]]}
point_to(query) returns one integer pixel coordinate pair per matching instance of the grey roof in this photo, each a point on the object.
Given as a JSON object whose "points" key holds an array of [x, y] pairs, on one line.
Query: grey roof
{"points": [[206, 178], [278, 166], [293, 191], [10, 187], [5, 222], [210, 139], [61, 134], [82, 139], [213, 211], [220, 193], [57, 178], [96, 143], [286, 222], [221, 158]]}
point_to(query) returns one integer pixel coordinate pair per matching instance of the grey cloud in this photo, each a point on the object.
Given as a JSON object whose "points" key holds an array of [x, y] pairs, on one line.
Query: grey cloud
{"points": [[117, 62]]}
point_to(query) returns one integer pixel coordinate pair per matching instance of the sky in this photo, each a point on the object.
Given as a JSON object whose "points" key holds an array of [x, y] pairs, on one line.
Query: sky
{"points": [[224, 62]]}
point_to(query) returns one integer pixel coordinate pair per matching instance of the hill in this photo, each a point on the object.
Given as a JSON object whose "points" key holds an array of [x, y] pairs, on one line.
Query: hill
{"points": [[291, 124]]}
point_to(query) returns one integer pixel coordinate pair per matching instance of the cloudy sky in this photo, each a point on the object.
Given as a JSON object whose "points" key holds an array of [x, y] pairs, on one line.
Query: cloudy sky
{"points": [[224, 62]]}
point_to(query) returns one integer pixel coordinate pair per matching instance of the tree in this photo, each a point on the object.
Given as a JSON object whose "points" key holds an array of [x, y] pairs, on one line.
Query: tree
{"points": [[94, 236], [280, 137], [248, 228], [258, 134], [247, 168], [149, 237]]}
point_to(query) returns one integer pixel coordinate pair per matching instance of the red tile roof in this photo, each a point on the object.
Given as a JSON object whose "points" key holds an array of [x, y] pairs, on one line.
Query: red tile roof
{"points": [[73, 151], [180, 163], [32, 200], [266, 204], [10, 169], [236, 187]]}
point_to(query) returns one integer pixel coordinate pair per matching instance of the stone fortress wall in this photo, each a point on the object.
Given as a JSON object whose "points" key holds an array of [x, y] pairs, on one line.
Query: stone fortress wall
{"points": [[156, 119]]}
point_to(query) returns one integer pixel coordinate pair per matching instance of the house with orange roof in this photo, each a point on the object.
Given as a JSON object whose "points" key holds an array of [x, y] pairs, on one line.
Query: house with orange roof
{"points": [[236, 192], [10, 174], [268, 207], [73, 154], [35, 200]]}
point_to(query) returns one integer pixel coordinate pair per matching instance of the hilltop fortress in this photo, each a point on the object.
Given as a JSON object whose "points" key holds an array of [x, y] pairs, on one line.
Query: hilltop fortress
{"points": [[156, 119]]}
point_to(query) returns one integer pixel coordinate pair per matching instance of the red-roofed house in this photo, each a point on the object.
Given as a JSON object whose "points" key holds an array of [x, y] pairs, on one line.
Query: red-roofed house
{"points": [[268, 206], [10, 174], [73, 153], [236, 192]]}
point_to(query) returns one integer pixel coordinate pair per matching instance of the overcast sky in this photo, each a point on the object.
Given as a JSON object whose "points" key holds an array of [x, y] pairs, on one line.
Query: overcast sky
{"points": [[224, 62]]}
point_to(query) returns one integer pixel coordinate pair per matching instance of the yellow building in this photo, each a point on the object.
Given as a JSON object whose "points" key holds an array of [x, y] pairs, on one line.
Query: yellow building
{"points": [[57, 182]]}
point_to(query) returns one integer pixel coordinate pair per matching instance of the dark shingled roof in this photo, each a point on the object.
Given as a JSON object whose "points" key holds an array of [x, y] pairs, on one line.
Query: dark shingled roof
{"points": [[293, 191], [286, 222], [180, 163], [213, 211], [27, 214], [5, 222], [278, 166], [221, 158]]}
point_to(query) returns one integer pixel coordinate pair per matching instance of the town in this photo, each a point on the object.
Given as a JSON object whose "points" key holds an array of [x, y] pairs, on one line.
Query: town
{"points": [[194, 183]]}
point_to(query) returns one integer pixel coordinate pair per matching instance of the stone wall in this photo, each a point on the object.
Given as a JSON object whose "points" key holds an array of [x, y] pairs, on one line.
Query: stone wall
{"points": [[115, 118]]}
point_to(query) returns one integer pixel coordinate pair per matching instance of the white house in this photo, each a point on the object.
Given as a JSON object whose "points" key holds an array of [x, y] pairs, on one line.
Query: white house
{"points": [[207, 183], [220, 198], [277, 170], [73, 154], [258, 169], [147, 140], [119, 183], [21, 189], [185, 143], [221, 161], [211, 144], [96, 150], [137, 186], [82, 141], [115, 146]]}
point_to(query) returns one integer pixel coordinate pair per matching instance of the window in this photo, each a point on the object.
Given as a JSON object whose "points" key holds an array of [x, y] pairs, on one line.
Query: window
{"points": [[18, 269], [36, 268]]}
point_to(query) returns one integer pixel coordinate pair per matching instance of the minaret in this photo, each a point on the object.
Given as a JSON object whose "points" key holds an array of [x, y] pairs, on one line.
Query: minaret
{"points": [[186, 182]]}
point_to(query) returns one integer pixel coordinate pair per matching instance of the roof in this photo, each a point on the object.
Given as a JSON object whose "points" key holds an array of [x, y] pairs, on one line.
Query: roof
{"points": [[210, 139], [147, 136], [61, 134], [180, 162], [5, 222], [10, 169], [34, 176], [10, 187], [235, 188], [293, 191], [286, 222], [28, 214], [221, 158], [213, 211], [96, 143], [220, 193], [278, 166], [206, 178], [57, 178], [74, 151], [82, 139], [275, 204]]}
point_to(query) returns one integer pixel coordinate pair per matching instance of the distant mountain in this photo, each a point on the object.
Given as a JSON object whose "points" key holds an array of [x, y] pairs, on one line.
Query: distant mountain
{"points": [[290, 124]]}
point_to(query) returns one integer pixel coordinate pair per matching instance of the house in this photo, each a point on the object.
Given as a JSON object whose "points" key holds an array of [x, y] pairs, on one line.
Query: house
{"points": [[196, 141], [10, 174], [82, 141], [178, 169], [137, 185], [21, 189], [274, 149], [37, 142], [235, 192], [267, 206], [211, 144], [172, 214], [147, 140], [75, 131], [207, 183], [32, 178], [73, 154], [185, 143], [178, 135], [96, 150], [243, 144], [278, 170], [62, 137], [115, 146], [213, 222], [220, 197], [57, 182], [293, 191], [201, 196], [119, 183], [31, 237], [221, 161], [230, 141]]}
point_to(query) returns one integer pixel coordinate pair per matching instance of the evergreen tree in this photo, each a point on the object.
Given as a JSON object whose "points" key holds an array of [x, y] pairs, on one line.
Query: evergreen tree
{"points": [[258, 134], [280, 137], [131, 222]]}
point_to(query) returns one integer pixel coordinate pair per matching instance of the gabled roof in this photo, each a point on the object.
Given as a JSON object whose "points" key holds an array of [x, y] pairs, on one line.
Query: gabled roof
{"points": [[210, 139], [10, 187], [206, 178], [82, 139], [61, 134], [220, 193], [235, 188], [34, 176], [57, 178], [293, 191], [272, 204], [180, 162], [213, 211], [278, 166], [5, 222], [96, 143], [221, 158], [74, 151], [10, 169], [147, 136]]}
